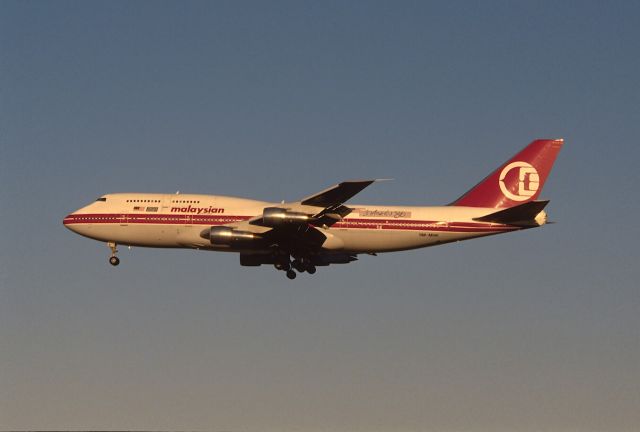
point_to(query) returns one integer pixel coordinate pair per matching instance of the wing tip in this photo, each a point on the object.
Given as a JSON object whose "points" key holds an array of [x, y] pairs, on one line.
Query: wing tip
{"points": [[369, 181]]}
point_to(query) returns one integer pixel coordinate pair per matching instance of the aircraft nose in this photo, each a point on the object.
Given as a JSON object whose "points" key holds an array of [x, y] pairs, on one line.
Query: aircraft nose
{"points": [[69, 221]]}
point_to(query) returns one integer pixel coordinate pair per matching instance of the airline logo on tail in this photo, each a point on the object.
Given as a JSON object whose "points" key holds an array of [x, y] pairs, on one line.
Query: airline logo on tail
{"points": [[528, 181], [517, 181]]}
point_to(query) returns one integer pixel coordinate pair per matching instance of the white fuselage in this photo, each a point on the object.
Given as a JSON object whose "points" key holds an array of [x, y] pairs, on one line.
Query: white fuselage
{"points": [[178, 220]]}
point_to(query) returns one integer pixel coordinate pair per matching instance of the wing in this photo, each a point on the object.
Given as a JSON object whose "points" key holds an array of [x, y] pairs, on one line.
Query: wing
{"points": [[337, 194], [330, 203], [293, 227], [332, 200]]}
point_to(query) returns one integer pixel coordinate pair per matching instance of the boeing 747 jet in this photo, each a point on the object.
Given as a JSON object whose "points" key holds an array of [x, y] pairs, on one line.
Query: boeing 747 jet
{"points": [[321, 229]]}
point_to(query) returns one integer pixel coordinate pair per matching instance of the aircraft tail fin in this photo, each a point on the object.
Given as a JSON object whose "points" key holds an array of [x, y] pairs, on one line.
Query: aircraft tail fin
{"points": [[517, 181]]}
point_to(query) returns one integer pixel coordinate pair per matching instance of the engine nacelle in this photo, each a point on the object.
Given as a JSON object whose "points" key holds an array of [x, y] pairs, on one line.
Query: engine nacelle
{"points": [[226, 236], [275, 217]]}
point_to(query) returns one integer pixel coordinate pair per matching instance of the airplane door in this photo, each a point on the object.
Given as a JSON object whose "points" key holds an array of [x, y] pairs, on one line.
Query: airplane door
{"points": [[124, 219], [166, 201]]}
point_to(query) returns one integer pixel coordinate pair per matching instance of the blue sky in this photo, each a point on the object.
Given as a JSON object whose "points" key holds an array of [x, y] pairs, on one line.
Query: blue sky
{"points": [[538, 330]]}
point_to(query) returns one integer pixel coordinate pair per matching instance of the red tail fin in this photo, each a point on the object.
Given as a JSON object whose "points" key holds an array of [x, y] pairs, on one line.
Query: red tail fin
{"points": [[518, 181]]}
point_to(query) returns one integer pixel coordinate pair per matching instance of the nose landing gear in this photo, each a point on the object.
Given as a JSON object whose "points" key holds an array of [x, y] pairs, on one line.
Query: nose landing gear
{"points": [[113, 259]]}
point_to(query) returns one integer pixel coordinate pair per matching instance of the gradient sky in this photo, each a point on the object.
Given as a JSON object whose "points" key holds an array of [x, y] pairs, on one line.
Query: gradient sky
{"points": [[532, 331]]}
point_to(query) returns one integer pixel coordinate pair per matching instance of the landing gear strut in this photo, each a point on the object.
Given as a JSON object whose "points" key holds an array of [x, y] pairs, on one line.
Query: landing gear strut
{"points": [[113, 259]]}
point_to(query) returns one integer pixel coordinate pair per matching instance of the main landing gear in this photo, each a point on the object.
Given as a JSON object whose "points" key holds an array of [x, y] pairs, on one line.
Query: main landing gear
{"points": [[301, 264], [113, 259]]}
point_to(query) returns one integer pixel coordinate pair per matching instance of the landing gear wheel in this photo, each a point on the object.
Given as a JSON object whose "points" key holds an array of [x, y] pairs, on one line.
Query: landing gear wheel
{"points": [[311, 269], [113, 260], [291, 274], [298, 265]]}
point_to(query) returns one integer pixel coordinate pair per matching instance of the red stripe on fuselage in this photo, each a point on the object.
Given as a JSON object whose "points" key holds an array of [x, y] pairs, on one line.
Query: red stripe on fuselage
{"points": [[371, 224], [158, 219]]}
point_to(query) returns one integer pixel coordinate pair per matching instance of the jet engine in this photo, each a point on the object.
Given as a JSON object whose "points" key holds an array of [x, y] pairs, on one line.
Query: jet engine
{"points": [[276, 217], [226, 236]]}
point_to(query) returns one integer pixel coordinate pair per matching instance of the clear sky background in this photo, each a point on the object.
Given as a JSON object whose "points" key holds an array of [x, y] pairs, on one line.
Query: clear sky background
{"points": [[532, 331]]}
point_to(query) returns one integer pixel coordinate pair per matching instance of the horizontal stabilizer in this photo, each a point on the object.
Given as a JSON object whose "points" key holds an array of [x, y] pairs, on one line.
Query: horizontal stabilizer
{"points": [[520, 215]]}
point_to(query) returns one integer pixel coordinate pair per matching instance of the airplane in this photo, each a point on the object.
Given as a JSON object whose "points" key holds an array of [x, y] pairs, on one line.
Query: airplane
{"points": [[321, 229]]}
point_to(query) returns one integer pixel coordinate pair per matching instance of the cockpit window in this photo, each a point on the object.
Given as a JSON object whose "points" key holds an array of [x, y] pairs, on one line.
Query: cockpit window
{"points": [[101, 199]]}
